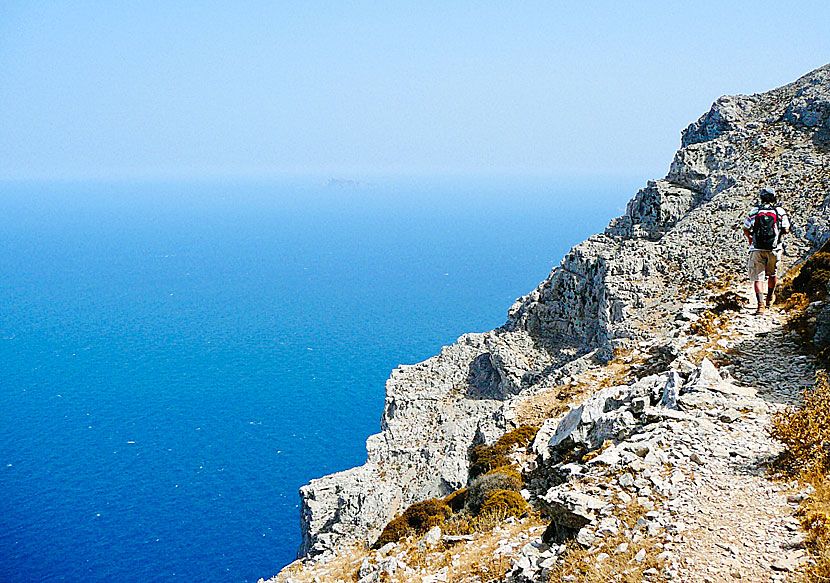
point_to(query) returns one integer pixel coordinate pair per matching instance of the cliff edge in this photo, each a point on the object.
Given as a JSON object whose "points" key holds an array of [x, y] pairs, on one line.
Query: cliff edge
{"points": [[625, 288]]}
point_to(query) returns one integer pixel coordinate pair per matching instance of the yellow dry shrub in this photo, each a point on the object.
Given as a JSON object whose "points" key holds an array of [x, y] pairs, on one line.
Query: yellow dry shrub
{"points": [[417, 519], [511, 472], [804, 284], [457, 499], [504, 478], [815, 517], [728, 301], [805, 431], [796, 302], [487, 457], [815, 512], [705, 325], [812, 278], [504, 503]]}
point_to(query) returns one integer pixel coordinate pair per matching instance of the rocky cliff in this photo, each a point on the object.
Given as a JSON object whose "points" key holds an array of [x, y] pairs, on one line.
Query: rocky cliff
{"points": [[623, 288]]}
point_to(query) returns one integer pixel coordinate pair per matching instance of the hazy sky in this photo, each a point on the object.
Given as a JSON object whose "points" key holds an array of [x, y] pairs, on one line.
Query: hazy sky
{"points": [[192, 89]]}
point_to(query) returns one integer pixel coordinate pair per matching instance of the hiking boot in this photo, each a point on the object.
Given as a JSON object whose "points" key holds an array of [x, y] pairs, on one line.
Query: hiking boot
{"points": [[770, 299], [760, 309]]}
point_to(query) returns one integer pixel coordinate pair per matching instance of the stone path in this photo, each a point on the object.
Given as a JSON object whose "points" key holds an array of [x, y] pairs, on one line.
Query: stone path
{"points": [[713, 514], [696, 467], [737, 523]]}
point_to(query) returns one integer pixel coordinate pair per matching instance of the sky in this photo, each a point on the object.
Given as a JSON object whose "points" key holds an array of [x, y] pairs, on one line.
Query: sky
{"points": [[124, 90]]}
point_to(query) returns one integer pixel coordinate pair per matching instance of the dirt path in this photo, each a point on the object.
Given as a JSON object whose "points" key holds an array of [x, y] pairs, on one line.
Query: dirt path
{"points": [[737, 524]]}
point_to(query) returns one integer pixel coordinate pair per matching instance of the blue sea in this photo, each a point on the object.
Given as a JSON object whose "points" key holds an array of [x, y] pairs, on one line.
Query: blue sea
{"points": [[178, 358]]}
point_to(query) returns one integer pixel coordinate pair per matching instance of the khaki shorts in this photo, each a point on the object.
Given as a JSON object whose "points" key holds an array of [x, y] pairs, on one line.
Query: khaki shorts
{"points": [[762, 264]]}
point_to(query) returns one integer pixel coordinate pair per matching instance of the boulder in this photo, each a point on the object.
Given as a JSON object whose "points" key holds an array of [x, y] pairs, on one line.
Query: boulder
{"points": [[671, 391], [570, 510], [598, 418]]}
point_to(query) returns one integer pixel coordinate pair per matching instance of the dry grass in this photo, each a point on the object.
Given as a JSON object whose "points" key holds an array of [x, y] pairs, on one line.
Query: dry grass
{"points": [[815, 517], [580, 565], [486, 569], [597, 452], [805, 432], [466, 523], [341, 570], [535, 409], [618, 370], [711, 324], [466, 562], [479, 558]]}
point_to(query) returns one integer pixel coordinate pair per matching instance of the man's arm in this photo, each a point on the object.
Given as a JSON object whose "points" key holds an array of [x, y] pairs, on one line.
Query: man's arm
{"points": [[785, 222], [748, 225]]}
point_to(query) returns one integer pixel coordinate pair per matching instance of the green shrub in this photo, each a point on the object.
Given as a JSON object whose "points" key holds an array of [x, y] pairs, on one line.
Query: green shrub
{"points": [[417, 519], [504, 503]]}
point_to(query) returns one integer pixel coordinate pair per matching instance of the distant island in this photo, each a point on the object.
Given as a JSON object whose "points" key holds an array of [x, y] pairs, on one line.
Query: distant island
{"points": [[621, 423], [346, 183]]}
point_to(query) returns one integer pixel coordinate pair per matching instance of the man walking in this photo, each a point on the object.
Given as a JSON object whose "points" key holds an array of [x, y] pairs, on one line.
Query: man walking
{"points": [[765, 228]]}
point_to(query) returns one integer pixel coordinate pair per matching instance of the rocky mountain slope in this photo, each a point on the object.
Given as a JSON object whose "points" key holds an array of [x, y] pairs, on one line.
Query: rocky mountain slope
{"points": [[630, 290], [684, 448]]}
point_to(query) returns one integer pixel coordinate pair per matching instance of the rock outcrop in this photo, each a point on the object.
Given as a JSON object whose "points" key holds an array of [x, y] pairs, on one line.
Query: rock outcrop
{"points": [[614, 290], [680, 439]]}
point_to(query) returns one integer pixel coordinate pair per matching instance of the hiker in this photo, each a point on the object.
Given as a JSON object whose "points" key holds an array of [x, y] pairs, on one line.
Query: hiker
{"points": [[765, 228]]}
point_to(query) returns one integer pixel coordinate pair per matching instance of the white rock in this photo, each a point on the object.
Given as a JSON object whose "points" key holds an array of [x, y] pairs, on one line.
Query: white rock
{"points": [[431, 538]]}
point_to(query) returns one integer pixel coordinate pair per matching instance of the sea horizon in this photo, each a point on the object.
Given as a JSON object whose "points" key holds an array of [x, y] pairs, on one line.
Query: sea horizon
{"points": [[180, 356]]}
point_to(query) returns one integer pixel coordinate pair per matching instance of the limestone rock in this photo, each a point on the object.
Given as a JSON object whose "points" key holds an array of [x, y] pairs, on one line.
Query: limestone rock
{"points": [[671, 391], [613, 291], [595, 420], [431, 538], [570, 511]]}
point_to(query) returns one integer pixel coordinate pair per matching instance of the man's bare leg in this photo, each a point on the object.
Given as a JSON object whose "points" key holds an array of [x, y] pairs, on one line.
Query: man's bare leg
{"points": [[759, 296]]}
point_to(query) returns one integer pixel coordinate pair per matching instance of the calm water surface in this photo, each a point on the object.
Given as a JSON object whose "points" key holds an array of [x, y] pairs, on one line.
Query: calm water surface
{"points": [[176, 359]]}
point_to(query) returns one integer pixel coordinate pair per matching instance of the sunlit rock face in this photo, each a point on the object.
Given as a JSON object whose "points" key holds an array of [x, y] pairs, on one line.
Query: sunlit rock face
{"points": [[616, 288]]}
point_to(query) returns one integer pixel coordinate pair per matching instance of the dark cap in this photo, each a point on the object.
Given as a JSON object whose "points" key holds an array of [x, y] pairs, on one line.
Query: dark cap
{"points": [[768, 194]]}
